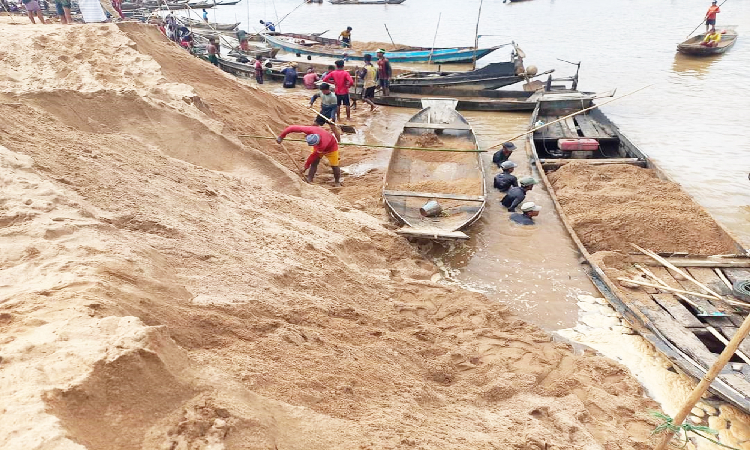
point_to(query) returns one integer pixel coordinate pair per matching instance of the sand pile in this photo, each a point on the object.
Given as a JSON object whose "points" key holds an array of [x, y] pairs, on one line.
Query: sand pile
{"points": [[460, 186], [164, 286], [612, 206]]}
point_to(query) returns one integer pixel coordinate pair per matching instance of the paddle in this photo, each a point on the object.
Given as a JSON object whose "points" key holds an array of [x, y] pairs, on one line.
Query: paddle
{"points": [[703, 21]]}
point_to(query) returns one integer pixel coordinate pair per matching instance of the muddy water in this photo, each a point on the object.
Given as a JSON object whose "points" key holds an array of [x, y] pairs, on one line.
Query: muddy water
{"points": [[692, 120]]}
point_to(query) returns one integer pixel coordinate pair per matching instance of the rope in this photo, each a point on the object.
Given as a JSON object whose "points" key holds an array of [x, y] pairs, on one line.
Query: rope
{"points": [[668, 424]]}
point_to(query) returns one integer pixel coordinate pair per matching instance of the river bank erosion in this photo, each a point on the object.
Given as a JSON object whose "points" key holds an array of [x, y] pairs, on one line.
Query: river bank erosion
{"points": [[167, 285]]}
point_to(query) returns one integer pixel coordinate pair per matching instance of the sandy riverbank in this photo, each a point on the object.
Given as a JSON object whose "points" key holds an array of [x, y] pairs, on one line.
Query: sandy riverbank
{"points": [[165, 285]]}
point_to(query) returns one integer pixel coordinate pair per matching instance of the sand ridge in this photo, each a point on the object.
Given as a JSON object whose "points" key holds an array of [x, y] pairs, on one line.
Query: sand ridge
{"points": [[184, 290]]}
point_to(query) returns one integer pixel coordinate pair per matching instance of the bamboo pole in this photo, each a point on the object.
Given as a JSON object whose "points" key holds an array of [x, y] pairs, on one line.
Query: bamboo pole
{"points": [[676, 269], [429, 60], [476, 37], [389, 36], [569, 115], [456, 150], [663, 283], [703, 21], [706, 381], [666, 288]]}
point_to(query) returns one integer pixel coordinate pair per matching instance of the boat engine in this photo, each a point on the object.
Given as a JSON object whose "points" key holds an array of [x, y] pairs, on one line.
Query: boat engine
{"points": [[575, 148]]}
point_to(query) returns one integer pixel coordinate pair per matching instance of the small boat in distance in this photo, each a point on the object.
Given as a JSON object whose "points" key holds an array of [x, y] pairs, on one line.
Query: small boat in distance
{"points": [[435, 194], [693, 45]]}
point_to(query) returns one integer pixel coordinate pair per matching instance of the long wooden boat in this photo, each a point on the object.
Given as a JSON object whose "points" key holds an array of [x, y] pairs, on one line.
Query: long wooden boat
{"points": [[188, 22], [330, 48], [453, 179], [366, 2], [508, 101], [691, 333], [492, 76], [693, 45]]}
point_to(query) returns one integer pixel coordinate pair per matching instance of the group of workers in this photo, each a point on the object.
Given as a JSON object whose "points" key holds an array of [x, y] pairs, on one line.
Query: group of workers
{"points": [[515, 190]]}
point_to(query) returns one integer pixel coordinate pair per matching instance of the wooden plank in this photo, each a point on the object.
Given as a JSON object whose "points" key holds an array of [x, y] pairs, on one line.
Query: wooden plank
{"points": [[695, 261], [432, 233], [594, 162], [571, 125], [728, 332], [586, 126], [708, 277], [439, 126], [709, 308], [677, 310], [680, 337], [734, 275], [468, 198]]}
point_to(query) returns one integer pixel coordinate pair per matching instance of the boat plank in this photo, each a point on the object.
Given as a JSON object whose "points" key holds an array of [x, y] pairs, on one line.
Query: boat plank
{"points": [[708, 307], [735, 274], [552, 163], [729, 332], [439, 126], [468, 198], [713, 307], [677, 310], [686, 341]]}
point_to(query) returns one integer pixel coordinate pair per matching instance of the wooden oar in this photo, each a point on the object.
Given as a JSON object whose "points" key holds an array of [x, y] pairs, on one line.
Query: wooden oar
{"points": [[345, 128], [563, 118], [703, 21]]}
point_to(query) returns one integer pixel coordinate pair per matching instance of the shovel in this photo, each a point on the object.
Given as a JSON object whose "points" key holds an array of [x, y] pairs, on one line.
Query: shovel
{"points": [[348, 129]]}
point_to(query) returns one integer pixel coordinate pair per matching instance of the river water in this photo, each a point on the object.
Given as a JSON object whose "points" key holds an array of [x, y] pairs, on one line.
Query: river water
{"points": [[691, 120]]}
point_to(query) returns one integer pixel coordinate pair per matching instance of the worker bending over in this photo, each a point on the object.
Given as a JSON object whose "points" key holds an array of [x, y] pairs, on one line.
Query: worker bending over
{"points": [[516, 195], [323, 143]]}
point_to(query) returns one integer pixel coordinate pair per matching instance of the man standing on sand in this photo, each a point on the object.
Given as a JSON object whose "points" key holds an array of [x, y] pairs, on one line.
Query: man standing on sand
{"points": [[384, 72], [529, 210], [327, 108], [711, 15], [33, 9], [369, 76], [110, 9], [259, 69], [63, 11], [506, 180], [343, 82], [516, 195], [503, 154], [323, 143]]}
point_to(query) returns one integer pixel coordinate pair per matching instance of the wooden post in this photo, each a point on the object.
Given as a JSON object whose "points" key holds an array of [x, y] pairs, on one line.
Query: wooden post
{"points": [[706, 381]]}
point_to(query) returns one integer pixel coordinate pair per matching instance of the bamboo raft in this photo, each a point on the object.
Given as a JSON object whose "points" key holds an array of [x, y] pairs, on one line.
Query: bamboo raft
{"points": [[689, 324]]}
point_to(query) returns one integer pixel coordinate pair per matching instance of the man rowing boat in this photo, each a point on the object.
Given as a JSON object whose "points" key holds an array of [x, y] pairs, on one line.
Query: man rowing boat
{"points": [[323, 143], [711, 15]]}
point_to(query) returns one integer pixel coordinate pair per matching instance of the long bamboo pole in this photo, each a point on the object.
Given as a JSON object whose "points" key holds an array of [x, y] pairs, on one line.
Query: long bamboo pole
{"points": [[569, 115], [703, 21], [476, 37], [429, 60], [706, 381], [665, 288], [389, 36], [300, 171], [455, 150]]}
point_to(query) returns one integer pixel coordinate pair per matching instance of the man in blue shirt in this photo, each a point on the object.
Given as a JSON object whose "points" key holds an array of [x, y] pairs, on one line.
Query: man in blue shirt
{"points": [[529, 210], [269, 25], [502, 155], [290, 75], [516, 195], [506, 180]]}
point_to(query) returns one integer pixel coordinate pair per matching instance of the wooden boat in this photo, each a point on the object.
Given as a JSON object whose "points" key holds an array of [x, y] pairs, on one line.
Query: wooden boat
{"points": [[506, 101], [689, 333], [188, 22], [331, 48], [693, 45], [492, 76], [366, 2], [453, 179]]}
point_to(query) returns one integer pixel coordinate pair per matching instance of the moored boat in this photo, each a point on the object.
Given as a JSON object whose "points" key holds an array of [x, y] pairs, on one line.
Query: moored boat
{"points": [[609, 194], [693, 45], [507, 101], [366, 2], [435, 194], [330, 48], [188, 22], [492, 76]]}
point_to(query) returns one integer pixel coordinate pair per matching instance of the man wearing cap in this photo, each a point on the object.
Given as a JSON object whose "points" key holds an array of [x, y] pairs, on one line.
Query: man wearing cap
{"points": [[517, 194], [506, 180], [529, 210], [346, 37], [503, 154], [385, 73], [323, 143], [711, 15]]}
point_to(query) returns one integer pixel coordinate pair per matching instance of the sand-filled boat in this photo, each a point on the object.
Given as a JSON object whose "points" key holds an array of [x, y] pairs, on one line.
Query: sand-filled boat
{"points": [[610, 195], [435, 194], [693, 45]]}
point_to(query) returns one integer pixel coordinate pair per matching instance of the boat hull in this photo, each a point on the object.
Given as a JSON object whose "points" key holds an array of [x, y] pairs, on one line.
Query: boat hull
{"points": [[663, 326], [453, 179], [692, 46]]}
